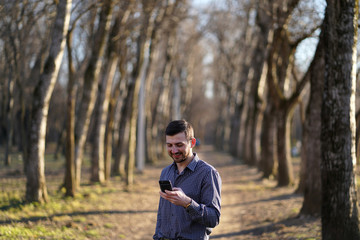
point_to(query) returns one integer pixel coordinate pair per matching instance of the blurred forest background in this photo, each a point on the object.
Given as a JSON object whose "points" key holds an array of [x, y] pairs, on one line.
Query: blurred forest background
{"points": [[97, 82]]}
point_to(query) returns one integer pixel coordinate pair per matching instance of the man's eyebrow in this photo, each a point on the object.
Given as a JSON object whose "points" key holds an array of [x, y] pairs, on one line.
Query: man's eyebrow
{"points": [[175, 143]]}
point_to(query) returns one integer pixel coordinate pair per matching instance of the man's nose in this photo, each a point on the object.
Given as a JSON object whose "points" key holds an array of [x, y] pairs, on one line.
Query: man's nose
{"points": [[174, 149]]}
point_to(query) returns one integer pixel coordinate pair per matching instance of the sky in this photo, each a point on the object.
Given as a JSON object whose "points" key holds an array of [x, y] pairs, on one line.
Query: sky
{"points": [[200, 2], [305, 50]]}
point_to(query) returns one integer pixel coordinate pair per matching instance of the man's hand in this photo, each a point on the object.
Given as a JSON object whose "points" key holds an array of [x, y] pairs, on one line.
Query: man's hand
{"points": [[176, 196]]}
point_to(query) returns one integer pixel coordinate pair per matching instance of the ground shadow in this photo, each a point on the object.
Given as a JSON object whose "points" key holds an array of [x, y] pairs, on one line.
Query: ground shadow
{"points": [[275, 198], [42, 218], [272, 227]]}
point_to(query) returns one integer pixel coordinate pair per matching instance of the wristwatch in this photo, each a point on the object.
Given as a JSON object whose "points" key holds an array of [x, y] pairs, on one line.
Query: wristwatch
{"points": [[187, 205]]}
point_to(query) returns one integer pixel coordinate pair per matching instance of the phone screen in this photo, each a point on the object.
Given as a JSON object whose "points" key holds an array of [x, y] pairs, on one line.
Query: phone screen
{"points": [[165, 185]]}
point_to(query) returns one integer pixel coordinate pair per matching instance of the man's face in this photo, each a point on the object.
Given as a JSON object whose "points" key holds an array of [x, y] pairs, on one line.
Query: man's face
{"points": [[178, 147]]}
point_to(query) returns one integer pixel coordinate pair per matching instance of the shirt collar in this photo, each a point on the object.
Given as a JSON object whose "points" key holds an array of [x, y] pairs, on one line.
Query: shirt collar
{"points": [[193, 163]]}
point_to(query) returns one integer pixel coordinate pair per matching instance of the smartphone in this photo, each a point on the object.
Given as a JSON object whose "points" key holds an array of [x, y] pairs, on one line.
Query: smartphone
{"points": [[165, 185]]}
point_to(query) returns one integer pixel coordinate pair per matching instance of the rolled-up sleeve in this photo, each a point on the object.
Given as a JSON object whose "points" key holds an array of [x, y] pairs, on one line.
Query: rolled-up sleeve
{"points": [[207, 212]]}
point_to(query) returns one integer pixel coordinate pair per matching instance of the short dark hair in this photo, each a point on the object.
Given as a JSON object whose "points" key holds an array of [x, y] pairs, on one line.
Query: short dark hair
{"points": [[179, 126]]}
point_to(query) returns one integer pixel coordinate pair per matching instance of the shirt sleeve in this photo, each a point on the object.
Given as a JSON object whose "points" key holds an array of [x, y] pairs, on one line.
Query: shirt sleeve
{"points": [[207, 211]]}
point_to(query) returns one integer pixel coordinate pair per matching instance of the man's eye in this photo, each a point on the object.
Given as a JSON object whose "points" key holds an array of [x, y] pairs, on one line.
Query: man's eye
{"points": [[179, 145]]}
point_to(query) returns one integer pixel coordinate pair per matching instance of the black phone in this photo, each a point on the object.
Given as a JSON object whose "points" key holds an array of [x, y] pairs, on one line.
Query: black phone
{"points": [[165, 185]]}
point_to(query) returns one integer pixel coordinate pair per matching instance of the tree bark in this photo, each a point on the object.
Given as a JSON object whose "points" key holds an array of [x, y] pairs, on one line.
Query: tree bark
{"points": [[285, 170], [8, 130], [70, 181], [311, 153], [119, 162], [339, 213], [268, 156], [35, 170]]}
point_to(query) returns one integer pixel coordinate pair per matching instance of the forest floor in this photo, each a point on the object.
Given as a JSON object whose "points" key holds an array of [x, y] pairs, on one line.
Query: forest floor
{"points": [[252, 208]]}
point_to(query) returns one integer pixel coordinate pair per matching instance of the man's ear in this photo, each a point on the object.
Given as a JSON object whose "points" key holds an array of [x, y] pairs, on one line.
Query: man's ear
{"points": [[193, 142]]}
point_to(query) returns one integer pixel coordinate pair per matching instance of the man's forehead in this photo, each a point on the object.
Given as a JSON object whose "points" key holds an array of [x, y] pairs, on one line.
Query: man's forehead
{"points": [[177, 138]]}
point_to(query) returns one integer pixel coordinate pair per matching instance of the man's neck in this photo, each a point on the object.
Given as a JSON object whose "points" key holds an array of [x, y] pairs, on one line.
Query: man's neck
{"points": [[181, 166]]}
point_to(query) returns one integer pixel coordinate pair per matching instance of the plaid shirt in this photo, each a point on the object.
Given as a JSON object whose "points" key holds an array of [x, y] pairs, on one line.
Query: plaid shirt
{"points": [[202, 183]]}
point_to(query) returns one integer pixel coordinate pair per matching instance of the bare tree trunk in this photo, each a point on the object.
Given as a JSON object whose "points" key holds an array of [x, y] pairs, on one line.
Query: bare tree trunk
{"points": [[160, 102], [140, 149], [311, 153], [280, 65], [302, 175], [258, 69], [142, 61], [119, 163], [285, 170], [176, 98], [98, 173], [24, 116], [102, 170], [268, 155], [247, 136], [8, 114], [339, 213], [70, 181], [146, 136], [106, 121], [102, 149], [237, 117], [235, 127], [118, 168], [91, 77], [150, 112], [60, 142], [357, 118], [35, 170]]}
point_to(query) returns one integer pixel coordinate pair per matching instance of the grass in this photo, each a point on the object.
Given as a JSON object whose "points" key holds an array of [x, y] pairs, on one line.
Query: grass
{"points": [[37, 232], [60, 217]]}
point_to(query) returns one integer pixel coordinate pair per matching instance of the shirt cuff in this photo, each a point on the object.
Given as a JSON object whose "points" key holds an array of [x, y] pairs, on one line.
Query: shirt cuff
{"points": [[191, 209]]}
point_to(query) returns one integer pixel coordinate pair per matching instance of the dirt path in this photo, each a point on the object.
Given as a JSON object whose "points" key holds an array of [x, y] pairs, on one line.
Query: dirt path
{"points": [[251, 208]]}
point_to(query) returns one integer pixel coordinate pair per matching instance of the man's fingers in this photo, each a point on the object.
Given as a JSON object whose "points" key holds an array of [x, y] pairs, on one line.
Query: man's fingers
{"points": [[172, 193]]}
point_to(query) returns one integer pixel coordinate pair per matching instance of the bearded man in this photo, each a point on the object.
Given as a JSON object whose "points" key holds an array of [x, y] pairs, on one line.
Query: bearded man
{"points": [[192, 208]]}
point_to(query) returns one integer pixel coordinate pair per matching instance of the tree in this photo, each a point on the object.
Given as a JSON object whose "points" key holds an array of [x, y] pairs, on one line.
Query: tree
{"points": [[258, 66], [230, 52], [23, 41], [310, 155], [86, 106], [70, 178], [277, 49], [339, 212], [35, 170], [113, 54], [142, 58]]}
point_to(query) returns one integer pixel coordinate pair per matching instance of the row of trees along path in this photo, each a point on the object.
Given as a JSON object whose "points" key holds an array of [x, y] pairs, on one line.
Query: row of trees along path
{"points": [[332, 70]]}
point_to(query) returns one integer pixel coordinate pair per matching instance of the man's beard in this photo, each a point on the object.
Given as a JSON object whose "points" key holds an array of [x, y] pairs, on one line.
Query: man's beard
{"points": [[185, 156]]}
